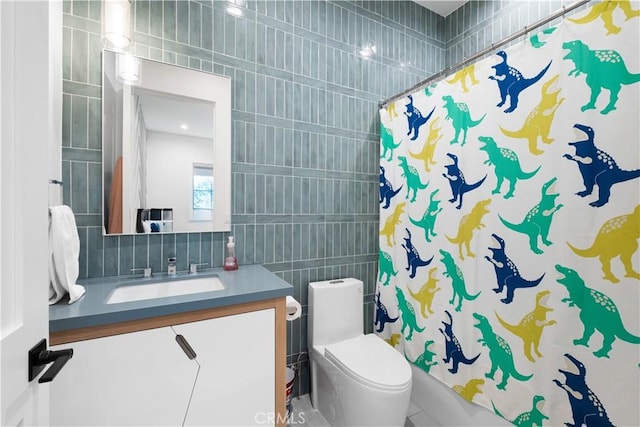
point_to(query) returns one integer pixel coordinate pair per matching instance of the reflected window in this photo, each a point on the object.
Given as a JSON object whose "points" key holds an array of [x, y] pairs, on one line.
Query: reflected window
{"points": [[202, 191]]}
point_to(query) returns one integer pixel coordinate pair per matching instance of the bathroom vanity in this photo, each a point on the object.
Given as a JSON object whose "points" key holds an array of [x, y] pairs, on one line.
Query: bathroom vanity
{"points": [[207, 358]]}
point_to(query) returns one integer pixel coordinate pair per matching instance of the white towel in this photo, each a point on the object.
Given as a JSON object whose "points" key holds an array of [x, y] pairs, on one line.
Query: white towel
{"points": [[64, 251]]}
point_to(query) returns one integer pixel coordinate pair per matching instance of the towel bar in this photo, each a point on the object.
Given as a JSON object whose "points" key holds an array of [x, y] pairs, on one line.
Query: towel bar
{"points": [[61, 184]]}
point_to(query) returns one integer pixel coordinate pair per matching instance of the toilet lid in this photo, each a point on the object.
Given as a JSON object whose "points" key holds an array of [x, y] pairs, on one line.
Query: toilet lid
{"points": [[371, 361]]}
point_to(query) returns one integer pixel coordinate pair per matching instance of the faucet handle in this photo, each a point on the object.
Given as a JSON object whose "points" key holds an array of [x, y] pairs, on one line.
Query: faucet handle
{"points": [[146, 271], [193, 267]]}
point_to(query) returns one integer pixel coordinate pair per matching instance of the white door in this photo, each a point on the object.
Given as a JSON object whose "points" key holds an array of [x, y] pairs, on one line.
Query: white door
{"points": [[28, 127]]}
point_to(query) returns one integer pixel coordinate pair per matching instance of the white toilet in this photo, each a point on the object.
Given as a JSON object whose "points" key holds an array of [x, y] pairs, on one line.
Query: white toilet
{"points": [[356, 379]]}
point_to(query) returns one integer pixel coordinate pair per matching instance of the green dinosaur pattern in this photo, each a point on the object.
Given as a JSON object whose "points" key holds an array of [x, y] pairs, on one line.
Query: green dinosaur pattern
{"points": [[506, 165], [425, 360], [499, 353], [604, 69], [385, 267], [460, 117], [598, 312], [537, 223], [408, 315], [453, 272], [483, 193], [531, 418], [428, 220], [414, 184], [386, 141]]}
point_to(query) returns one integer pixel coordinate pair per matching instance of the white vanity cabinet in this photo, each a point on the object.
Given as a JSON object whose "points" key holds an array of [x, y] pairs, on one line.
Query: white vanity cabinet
{"points": [[235, 385], [145, 378], [138, 378]]}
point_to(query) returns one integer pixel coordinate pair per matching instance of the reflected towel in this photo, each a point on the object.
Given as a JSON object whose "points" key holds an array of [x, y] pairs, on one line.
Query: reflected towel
{"points": [[64, 251], [115, 200]]}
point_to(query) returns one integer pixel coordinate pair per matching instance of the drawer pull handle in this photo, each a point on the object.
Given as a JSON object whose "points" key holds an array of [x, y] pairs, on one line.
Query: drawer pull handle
{"points": [[184, 345]]}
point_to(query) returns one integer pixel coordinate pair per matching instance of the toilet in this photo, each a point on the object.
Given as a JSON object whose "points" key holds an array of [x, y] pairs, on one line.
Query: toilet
{"points": [[356, 379]]}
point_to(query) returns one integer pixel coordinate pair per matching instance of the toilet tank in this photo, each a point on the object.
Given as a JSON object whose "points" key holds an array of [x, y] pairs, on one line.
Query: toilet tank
{"points": [[335, 311]]}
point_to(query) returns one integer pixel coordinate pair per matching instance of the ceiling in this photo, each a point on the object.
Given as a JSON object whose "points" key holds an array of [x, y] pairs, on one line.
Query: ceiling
{"points": [[166, 113], [441, 7]]}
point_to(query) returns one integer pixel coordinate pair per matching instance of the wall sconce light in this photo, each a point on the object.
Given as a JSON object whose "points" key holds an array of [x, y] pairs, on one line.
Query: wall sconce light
{"points": [[116, 23], [128, 69], [234, 7], [368, 50]]}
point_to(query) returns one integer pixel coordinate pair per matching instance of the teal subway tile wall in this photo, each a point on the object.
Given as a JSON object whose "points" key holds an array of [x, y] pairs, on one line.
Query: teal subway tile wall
{"points": [[305, 128], [478, 24]]}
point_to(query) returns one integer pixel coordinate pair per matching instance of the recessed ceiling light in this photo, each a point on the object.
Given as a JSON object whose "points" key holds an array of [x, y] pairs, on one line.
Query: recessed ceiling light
{"points": [[184, 126]]}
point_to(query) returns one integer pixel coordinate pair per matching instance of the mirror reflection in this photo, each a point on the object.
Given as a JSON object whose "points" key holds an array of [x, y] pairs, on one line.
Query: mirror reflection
{"points": [[166, 149]]}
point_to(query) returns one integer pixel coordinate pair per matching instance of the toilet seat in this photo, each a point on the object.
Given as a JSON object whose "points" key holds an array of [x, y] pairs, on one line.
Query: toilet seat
{"points": [[371, 361]]}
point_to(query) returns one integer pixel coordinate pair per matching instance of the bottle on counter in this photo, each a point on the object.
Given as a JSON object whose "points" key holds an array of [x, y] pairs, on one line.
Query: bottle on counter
{"points": [[230, 261]]}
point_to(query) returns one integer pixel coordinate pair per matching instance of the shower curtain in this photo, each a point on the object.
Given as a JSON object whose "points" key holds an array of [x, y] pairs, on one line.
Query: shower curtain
{"points": [[509, 225]]}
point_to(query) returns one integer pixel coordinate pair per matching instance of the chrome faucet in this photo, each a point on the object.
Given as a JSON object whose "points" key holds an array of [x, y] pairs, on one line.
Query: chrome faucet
{"points": [[146, 271], [171, 266], [193, 267]]}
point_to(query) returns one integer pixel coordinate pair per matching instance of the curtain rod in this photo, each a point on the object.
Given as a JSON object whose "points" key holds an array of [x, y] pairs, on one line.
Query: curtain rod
{"points": [[483, 52]]}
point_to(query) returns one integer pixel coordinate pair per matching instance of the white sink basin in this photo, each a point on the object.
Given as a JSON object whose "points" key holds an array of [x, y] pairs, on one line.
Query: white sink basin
{"points": [[164, 289]]}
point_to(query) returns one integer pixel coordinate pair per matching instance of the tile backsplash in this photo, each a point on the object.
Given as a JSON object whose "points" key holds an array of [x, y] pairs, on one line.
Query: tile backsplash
{"points": [[305, 127]]}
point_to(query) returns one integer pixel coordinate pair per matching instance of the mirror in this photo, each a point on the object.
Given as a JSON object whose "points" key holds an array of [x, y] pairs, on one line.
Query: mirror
{"points": [[166, 155]]}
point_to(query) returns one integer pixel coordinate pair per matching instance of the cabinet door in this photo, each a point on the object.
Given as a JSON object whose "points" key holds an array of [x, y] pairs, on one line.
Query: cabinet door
{"points": [[141, 378], [236, 354]]}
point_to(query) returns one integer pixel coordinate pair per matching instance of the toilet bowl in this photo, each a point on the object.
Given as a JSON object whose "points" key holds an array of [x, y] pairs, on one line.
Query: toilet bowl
{"points": [[356, 379]]}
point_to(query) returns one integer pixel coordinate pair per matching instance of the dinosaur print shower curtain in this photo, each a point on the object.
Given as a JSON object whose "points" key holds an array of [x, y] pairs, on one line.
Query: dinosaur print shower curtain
{"points": [[509, 225]]}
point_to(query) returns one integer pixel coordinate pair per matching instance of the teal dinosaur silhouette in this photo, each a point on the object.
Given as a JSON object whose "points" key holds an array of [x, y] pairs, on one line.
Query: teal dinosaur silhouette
{"points": [[426, 360], [413, 178], [537, 222], [499, 353], [457, 280], [408, 315], [506, 163], [428, 220], [386, 140], [597, 312], [605, 69], [531, 418], [427, 89], [458, 113], [535, 39], [386, 267]]}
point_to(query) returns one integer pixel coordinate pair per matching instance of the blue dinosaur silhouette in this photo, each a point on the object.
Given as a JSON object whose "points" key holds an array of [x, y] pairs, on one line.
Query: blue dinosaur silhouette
{"points": [[507, 274], [413, 257], [415, 118], [382, 315], [587, 409], [453, 349], [511, 82], [456, 179], [597, 167], [386, 189]]}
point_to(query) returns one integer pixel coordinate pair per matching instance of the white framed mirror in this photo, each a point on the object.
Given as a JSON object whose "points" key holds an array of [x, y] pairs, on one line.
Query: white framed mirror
{"points": [[166, 155]]}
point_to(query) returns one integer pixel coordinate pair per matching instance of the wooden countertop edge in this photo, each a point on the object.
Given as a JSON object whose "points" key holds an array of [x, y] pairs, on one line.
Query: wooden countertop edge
{"points": [[117, 328]]}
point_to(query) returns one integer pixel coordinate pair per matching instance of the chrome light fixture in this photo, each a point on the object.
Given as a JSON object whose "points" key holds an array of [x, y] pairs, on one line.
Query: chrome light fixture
{"points": [[128, 69], [235, 7], [116, 23], [368, 50]]}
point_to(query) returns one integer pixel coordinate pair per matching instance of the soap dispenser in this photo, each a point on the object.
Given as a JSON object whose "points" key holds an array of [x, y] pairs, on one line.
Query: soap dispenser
{"points": [[230, 261]]}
